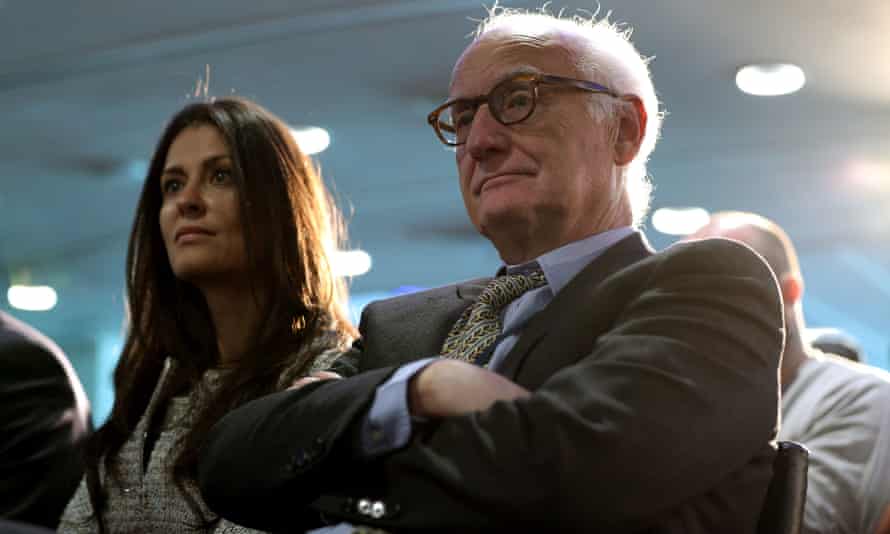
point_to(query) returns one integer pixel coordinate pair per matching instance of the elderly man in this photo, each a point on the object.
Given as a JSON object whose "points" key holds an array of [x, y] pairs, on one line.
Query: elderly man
{"points": [[840, 410], [591, 386]]}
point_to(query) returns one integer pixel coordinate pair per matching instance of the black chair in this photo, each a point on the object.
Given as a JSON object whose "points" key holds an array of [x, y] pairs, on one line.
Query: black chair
{"points": [[783, 508]]}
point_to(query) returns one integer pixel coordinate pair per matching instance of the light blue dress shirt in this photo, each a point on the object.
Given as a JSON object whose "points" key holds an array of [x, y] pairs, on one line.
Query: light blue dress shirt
{"points": [[387, 427]]}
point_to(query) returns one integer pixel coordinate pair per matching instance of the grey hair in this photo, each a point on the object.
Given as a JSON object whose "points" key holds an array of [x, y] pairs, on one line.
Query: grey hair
{"points": [[608, 57]]}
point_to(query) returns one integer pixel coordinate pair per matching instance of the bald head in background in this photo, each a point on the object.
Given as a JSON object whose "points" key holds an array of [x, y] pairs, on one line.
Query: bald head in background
{"points": [[839, 409], [770, 241]]}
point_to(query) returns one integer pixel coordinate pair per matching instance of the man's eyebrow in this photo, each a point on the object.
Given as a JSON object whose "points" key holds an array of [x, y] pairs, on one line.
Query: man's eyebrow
{"points": [[178, 169], [524, 69]]}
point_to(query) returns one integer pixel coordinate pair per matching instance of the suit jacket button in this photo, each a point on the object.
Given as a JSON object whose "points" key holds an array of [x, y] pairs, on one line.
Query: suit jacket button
{"points": [[364, 507], [378, 510]]}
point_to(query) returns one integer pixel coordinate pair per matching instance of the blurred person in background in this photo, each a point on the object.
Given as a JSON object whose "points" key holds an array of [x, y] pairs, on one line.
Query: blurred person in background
{"points": [[586, 387], [44, 422], [834, 341], [230, 296], [838, 409]]}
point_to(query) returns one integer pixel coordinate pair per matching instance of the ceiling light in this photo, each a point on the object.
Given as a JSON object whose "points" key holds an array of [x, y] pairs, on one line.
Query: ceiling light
{"points": [[869, 174], [680, 221], [351, 262], [32, 298], [311, 139], [770, 79]]}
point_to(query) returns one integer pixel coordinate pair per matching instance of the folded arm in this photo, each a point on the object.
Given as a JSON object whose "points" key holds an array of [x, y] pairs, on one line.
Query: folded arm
{"points": [[676, 393], [676, 396]]}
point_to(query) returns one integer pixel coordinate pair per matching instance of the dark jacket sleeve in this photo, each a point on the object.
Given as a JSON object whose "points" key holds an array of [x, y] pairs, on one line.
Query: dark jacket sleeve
{"points": [[679, 396], [42, 431], [264, 462]]}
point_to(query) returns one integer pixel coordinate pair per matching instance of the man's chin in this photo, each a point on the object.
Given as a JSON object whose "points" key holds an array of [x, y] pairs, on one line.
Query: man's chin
{"points": [[503, 222]]}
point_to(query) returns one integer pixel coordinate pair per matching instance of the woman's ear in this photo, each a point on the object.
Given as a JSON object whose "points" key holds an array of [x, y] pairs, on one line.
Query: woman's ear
{"points": [[631, 128]]}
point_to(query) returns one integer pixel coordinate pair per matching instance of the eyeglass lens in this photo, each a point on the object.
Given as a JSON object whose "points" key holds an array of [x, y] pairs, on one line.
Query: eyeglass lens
{"points": [[509, 102]]}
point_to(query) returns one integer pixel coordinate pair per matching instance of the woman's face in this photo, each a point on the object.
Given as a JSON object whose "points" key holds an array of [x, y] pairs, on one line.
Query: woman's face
{"points": [[200, 216]]}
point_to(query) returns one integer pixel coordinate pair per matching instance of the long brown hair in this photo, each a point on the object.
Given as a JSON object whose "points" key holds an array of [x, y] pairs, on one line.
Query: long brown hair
{"points": [[289, 224]]}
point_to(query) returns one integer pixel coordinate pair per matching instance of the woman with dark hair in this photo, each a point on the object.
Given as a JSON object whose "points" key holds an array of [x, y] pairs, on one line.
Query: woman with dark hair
{"points": [[230, 296]]}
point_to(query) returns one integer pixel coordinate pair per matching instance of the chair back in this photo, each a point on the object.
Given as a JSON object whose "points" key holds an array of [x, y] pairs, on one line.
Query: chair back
{"points": [[783, 508]]}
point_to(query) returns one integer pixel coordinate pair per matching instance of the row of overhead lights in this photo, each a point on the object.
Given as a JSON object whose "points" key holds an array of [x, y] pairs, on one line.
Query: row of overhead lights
{"points": [[44, 298], [770, 79], [671, 221]]}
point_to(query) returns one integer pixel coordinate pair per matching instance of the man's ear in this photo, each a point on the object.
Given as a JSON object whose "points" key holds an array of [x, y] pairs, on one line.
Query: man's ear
{"points": [[631, 128], [791, 285]]}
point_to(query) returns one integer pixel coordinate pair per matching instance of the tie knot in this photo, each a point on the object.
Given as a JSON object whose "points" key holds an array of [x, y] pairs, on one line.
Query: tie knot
{"points": [[502, 290]]}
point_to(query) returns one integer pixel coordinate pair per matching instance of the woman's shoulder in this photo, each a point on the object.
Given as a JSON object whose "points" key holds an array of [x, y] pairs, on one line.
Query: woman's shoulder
{"points": [[329, 349]]}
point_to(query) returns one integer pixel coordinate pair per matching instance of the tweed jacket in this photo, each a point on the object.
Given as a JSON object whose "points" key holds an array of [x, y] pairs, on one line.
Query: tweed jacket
{"points": [[147, 499]]}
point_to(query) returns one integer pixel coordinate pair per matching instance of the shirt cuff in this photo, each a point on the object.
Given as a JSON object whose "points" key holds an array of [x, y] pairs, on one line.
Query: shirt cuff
{"points": [[387, 426], [339, 528]]}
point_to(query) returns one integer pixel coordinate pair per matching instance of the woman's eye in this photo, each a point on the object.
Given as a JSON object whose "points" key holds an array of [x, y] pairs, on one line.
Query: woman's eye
{"points": [[221, 176], [171, 186]]}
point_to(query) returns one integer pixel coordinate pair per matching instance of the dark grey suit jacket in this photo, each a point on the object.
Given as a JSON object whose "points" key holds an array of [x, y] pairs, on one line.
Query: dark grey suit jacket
{"points": [[44, 420], [655, 398]]}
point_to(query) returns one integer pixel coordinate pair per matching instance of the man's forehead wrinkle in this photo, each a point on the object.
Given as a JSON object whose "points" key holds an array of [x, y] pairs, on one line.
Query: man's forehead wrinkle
{"points": [[520, 50]]}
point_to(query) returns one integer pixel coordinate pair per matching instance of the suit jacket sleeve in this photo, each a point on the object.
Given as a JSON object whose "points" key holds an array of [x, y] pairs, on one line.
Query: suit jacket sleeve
{"points": [[264, 462], [43, 431], [678, 393]]}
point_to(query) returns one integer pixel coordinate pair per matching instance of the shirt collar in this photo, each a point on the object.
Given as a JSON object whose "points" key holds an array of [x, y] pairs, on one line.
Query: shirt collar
{"points": [[564, 263]]}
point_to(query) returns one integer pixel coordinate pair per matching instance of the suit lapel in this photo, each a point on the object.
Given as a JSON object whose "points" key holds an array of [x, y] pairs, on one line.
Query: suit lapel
{"points": [[471, 289], [566, 303]]}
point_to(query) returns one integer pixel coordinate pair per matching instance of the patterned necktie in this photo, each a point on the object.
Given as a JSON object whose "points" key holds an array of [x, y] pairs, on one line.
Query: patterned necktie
{"points": [[480, 324]]}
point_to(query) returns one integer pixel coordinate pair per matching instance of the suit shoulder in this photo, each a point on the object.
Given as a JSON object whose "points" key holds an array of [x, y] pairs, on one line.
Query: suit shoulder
{"points": [[419, 299], [717, 256]]}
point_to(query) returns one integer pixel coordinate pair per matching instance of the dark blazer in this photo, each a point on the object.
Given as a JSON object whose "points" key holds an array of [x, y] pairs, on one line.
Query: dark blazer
{"points": [[655, 398], [44, 420]]}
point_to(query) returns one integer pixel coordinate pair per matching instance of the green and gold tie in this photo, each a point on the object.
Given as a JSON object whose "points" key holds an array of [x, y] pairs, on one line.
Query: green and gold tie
{"points": [[480, 324]]}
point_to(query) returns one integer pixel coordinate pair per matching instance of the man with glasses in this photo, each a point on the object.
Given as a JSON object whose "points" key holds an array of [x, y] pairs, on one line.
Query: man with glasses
{"points": [[591, 386]]}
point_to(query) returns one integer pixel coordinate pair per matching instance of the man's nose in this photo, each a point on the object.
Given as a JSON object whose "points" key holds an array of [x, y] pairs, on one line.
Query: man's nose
{"points": [[487, 136]]}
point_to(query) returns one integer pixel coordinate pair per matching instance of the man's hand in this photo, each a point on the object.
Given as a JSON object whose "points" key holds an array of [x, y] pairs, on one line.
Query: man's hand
{"points": [[314, 377], [453, 387]]}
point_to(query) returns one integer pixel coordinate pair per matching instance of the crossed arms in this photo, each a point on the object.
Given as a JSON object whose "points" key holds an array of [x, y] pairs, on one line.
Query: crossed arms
{"points": [[635, 408]]}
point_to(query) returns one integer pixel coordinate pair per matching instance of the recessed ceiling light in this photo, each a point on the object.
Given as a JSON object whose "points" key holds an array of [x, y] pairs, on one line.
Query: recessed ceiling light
{"points": [[680, 221], [350, 262], [32, 298], [770, 79], [311, 139], [870, 174]]}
